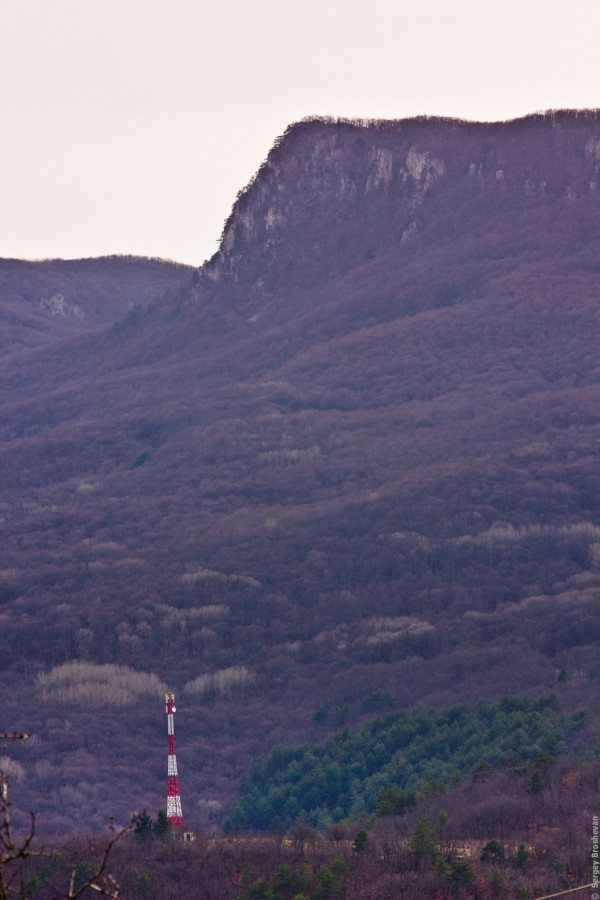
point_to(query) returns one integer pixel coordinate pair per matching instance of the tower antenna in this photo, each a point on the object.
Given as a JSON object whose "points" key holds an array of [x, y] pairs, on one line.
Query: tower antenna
{"points": [[173, 797]]}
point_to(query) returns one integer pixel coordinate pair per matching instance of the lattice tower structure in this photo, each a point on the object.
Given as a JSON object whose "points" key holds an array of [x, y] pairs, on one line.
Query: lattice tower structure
{"points": [[173, 797]]}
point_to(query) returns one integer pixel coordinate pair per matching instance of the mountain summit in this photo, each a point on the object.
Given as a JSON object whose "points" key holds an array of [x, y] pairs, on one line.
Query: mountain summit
{"points": [[333, 193]]}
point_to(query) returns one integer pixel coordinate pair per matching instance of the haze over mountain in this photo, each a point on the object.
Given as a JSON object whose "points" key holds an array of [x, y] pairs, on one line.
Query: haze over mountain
{"points": [[356, 452]]}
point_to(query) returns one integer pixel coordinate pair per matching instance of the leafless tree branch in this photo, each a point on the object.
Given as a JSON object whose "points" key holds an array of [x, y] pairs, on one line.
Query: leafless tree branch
{"points": [[101, 881], [12, 881]]}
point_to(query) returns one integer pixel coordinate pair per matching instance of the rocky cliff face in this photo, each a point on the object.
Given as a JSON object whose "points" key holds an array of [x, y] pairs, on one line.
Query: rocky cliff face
{"points": [[331, 194]]}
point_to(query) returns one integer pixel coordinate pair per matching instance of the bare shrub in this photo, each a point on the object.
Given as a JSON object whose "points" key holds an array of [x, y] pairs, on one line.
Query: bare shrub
{"points": [[85, 684], [222, 685], [213, 612]]}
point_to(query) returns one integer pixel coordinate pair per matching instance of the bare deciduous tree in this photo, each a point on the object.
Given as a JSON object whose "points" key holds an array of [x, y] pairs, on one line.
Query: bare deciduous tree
{"points": [[15, 853]]}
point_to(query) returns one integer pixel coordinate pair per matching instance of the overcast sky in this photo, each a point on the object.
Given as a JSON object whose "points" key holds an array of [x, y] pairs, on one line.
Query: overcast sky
{"points": [[128, 126]]}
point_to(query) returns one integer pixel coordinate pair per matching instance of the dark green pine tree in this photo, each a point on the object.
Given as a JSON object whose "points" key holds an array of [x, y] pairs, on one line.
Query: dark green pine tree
{"points": [[423, 843], [143, 826], [162, 824], [361, 841], [393, 801]]}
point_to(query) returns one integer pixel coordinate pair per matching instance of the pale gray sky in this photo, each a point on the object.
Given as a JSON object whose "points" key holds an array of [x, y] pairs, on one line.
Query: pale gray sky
{"points": [[128, 126]]}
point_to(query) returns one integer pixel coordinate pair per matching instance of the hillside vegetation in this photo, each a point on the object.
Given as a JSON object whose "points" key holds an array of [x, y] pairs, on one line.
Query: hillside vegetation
{"points": [[356, 452], [441, 849], [380, 768]]}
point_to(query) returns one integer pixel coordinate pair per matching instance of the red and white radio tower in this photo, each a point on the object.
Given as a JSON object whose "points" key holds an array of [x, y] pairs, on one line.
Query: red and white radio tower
{"points": [[173, 799]]}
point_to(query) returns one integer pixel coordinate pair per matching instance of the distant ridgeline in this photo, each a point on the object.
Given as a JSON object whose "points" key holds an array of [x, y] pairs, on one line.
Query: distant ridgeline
{"points": [[383, 766]]}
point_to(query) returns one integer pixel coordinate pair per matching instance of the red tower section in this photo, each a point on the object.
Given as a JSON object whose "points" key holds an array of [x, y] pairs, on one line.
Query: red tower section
{"points": [[173, 797]]}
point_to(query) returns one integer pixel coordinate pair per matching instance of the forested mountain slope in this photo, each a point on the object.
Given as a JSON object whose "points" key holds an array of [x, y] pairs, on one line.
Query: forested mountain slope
{"points": [[357, 452]]}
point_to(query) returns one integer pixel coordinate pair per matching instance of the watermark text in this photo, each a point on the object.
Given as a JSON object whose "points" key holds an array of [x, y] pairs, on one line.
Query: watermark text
{"points": [[595, 854]]}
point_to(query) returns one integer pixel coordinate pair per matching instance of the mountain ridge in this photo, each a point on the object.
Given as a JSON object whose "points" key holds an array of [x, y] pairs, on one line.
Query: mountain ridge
{"points": [[42, 300], [396, 158]]}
